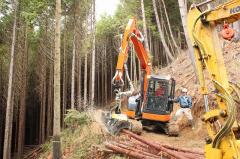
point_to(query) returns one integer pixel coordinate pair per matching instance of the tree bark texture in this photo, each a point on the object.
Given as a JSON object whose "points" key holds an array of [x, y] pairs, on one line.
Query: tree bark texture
{"points": [[73, 71], [169, 26], [57, 75], [161, 34], [64, 92], [22, 109], [85, 81], [93, 57], [183, 12], [9, 109], [144, 27]]}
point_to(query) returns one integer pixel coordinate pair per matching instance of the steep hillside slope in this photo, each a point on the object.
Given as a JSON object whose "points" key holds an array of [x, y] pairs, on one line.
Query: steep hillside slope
{"points": [[182, 70]]}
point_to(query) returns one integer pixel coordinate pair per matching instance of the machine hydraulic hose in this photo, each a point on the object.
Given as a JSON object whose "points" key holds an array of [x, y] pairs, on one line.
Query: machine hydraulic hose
{"points": [[231, 108]]}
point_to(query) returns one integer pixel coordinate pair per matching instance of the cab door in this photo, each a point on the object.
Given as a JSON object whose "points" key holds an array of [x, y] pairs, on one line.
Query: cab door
{"points": [[157, 97]]}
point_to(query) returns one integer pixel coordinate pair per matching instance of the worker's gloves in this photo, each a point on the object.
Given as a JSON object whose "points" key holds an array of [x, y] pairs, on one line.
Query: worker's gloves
{"points": [[174, 118], [170, 99], [138, 99]]}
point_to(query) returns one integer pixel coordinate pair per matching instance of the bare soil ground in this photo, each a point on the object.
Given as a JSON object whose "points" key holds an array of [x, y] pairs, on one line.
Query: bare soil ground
{"points": [[188, 138]]}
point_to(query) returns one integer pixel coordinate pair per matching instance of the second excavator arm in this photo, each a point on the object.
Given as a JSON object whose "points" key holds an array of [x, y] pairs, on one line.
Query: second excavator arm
{"points": [[221, 143]]}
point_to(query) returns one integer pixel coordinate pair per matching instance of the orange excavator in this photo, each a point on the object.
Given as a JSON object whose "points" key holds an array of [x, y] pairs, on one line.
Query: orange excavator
{"points": [[151, 106]]}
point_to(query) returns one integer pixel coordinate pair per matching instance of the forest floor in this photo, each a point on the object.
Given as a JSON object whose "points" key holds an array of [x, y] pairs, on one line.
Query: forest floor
{"points": [[88, 142]]}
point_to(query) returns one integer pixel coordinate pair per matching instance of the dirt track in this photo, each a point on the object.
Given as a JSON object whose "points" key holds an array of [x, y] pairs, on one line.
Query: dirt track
{"points": [[188, 138]]}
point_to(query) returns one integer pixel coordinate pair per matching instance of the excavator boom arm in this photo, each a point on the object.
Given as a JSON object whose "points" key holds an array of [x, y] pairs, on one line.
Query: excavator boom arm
{"points": [[134, 35], [220, 144], [228, 12]]}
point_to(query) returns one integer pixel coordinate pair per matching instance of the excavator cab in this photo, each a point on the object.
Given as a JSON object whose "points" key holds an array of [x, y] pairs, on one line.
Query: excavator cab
{"points": [[155, 108], [160, 89]]}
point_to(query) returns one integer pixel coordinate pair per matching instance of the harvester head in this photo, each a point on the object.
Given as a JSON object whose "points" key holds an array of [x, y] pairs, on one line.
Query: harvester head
{"points": [[117, 122]]}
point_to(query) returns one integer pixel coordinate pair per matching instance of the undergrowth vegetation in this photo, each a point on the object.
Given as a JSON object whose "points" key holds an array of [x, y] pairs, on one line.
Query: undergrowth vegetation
{"points": [[75, 119], [75, 140], [81, 139]]}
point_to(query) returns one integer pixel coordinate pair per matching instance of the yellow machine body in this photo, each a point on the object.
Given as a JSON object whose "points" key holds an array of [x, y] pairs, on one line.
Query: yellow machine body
{"points": [[202, 28]]}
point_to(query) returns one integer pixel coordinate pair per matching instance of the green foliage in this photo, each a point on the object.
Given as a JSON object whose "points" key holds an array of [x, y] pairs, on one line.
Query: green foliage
{"points": [[82, 148], [75, 118], [3, 53], [127, 9], [33, 9], [4, 7], [109, 26], [47, 146], [68, 139], [174, 15], [80, 140], [1, 5], [5, 22], [106, 26]]}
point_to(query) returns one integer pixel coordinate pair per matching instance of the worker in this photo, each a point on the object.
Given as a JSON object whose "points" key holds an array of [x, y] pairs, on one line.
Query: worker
{"points": [[185, 102], [159, 90], [134, 104]]}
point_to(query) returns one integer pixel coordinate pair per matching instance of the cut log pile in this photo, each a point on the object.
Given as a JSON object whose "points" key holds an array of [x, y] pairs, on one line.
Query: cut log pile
{"points": [[32, 152], [135, 146]]}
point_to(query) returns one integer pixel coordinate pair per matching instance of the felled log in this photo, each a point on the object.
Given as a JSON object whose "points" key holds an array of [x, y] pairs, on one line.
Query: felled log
{"points": [[158, 147], [129, 153]]}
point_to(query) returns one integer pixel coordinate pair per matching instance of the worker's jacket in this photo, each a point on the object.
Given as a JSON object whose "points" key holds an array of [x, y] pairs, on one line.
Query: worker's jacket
{"points": [[184, 101]]}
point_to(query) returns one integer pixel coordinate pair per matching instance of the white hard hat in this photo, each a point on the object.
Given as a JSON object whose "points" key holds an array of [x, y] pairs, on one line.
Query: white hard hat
{"points": [[184, 90]]}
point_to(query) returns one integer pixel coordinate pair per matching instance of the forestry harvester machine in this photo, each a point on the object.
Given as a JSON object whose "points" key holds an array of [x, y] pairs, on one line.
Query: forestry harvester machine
{"points": [[151, 105]]}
